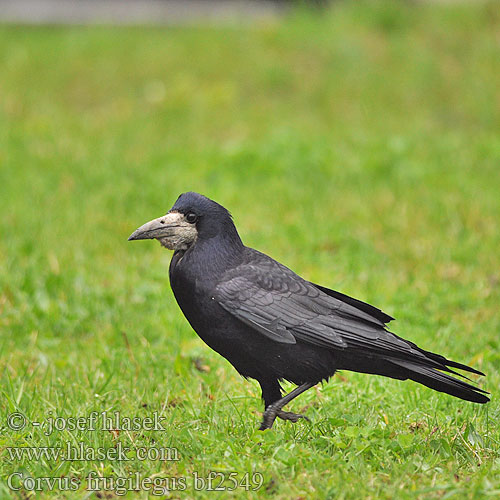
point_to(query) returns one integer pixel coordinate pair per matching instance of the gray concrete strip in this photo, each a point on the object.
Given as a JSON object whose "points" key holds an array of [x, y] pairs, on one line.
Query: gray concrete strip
{"points": [[137, 11]]}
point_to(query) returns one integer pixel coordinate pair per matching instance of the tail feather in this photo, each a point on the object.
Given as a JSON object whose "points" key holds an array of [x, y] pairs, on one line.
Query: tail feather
{"points": [[442, 382], [446, 362]]}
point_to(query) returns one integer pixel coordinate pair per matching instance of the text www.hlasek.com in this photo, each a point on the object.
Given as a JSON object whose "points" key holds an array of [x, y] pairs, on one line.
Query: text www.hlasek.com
{"points": [[79, 451], [82, 452]]}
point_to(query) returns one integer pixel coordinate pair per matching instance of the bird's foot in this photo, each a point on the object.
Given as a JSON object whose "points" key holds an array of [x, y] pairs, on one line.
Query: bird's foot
{"points": [[274, 411], [293, 417], [269, 417]]}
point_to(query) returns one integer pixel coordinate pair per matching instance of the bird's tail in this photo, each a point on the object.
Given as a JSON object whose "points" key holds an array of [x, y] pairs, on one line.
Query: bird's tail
{"points": [[432, 377]]}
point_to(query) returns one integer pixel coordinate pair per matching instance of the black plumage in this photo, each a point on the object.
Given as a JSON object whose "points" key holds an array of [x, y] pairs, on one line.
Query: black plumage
{"points": [[273, 325]]}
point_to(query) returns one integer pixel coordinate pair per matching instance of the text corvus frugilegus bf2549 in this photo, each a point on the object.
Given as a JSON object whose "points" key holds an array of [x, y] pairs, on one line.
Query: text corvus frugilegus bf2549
{"points": [[273, 325]]}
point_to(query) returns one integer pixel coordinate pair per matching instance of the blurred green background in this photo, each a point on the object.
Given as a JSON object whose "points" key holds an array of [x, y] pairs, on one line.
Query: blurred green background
{"points": [[359, 145]]}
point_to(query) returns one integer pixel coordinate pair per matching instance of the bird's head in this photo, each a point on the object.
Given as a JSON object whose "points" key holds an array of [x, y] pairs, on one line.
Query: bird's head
{"points": [[193, 217]]}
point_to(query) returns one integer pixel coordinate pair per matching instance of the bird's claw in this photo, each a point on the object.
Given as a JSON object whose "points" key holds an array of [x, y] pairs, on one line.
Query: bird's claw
{"points": [[293, 417], [272, 412]]}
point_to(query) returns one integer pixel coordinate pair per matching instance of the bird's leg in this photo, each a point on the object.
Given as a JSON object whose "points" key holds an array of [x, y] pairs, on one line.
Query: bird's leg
{"points": [[271, 392], [275, 409]]}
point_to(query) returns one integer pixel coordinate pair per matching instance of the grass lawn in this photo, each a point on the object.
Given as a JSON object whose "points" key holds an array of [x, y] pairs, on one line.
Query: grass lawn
{"points": [[359, 146]]}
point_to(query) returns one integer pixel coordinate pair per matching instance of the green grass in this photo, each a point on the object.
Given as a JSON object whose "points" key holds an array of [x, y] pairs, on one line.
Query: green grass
{"points": [[359, 146]]}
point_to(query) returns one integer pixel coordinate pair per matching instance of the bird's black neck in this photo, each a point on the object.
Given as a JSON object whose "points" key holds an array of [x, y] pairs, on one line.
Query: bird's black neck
{"points": [[209, 257]]}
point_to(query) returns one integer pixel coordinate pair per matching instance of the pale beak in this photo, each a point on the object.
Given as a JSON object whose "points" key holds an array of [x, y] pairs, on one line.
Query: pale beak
{"points": [[163, 227]]}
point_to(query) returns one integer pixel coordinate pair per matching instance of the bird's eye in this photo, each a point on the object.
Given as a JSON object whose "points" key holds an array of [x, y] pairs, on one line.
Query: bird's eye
{"points": [[191, 217]]}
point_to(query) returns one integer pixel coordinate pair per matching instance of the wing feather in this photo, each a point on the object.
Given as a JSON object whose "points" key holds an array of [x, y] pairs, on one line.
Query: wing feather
{"points": [[281, 305]]}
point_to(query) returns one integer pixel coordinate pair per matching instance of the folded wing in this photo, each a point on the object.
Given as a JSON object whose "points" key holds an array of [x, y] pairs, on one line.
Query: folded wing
{"points": [[279, 304]]}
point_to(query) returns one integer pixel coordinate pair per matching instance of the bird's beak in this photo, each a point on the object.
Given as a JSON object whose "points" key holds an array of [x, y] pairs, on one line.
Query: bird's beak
{"points": [[163, 227]]}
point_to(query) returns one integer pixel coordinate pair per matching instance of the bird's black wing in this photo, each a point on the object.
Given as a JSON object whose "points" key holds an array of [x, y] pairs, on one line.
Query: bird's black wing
{"points": [[363, 306], [281, 305]]}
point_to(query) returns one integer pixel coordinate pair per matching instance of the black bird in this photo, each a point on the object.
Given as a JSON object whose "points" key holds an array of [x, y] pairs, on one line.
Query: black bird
{"points": [[273, 325]]}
